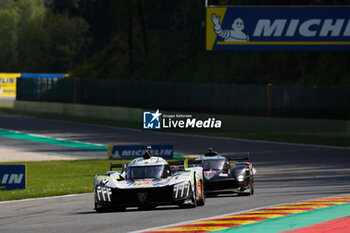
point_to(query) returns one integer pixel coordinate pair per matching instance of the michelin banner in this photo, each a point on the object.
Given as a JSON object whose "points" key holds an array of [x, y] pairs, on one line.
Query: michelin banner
{"points": [[8, 84], [12, 177], [278, 28], [122, 151]]}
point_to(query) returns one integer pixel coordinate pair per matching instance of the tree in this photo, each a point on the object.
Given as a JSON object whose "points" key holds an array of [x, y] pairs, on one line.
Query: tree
{"points": [[9, 19], [33, 39]]}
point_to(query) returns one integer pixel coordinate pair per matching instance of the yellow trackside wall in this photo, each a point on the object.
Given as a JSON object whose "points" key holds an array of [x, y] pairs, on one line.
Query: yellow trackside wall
{"points": [[8, 84]]}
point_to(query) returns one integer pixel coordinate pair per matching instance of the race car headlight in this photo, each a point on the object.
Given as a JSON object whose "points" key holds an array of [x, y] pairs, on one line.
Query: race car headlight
{"points": [[240, 178], [103, 193], [181, 190]]}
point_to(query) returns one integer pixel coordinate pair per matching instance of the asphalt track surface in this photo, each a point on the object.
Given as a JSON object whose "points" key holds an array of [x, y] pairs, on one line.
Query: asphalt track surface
{"points": [[286, 173]]}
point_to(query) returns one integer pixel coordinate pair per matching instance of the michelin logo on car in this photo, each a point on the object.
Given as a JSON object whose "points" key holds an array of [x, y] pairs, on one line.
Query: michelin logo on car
{"points": [[157, 120]]}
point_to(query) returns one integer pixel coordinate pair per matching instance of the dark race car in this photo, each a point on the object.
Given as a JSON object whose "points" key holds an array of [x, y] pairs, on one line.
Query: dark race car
{"points": [[227, 172]]}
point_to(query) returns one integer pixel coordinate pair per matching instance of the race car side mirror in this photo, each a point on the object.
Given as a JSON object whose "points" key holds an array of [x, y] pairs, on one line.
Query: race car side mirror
{"points": [[226, 166]]}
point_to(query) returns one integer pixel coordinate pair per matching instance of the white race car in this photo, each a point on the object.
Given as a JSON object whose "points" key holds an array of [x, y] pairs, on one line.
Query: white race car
{"points": [[148, 182]]}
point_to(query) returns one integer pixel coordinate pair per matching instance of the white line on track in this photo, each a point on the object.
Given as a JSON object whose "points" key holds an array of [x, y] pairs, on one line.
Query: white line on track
{"points": [[222, 215]]}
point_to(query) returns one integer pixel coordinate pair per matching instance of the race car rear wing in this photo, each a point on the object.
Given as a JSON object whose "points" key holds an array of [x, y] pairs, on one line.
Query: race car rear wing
{"points": [[185, 162], [115, 166], [238, 156], [182, 165], [122, 166]]}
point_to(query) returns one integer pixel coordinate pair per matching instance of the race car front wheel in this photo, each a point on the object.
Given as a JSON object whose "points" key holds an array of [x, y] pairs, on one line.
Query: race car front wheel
{"points": [[200, 191], [249, 193], [193, 199], [100, 208]]}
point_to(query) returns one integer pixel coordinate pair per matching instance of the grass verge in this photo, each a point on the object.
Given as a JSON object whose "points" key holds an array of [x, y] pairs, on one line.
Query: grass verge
{"points": [[53, 178]]}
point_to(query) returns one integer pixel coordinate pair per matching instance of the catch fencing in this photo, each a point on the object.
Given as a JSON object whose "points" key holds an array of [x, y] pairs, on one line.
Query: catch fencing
{"points": [[332, 102]]}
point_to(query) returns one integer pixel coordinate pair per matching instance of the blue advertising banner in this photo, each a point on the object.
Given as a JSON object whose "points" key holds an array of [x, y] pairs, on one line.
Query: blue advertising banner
{"points": [[278, 28], [121, 151], [12, 177]]}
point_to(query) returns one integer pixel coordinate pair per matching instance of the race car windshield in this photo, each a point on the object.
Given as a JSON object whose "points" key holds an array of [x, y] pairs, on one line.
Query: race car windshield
{"points": [[146, 172], [213, 164]]}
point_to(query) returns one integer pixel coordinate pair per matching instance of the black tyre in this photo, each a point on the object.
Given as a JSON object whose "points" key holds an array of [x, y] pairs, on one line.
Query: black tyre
{"points": [[251, 191], [194, 199], [201, 202], [100, 208]]}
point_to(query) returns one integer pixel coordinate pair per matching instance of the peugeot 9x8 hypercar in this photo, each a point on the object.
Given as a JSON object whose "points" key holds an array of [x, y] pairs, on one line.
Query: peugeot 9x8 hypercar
{"points": [[148, 182]]}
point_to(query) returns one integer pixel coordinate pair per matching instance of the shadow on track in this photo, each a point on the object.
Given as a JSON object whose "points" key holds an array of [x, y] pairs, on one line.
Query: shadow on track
{"points": [[131, 209]]}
